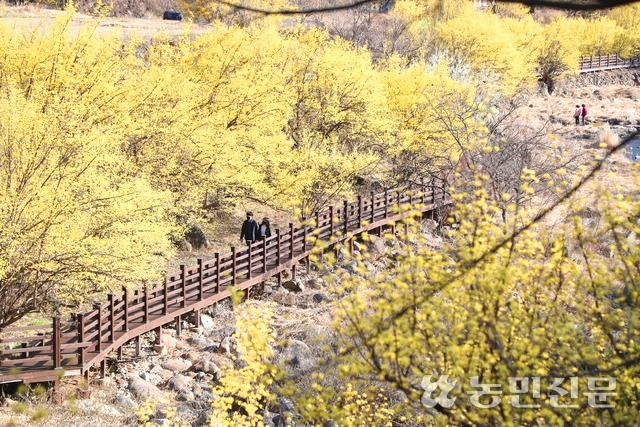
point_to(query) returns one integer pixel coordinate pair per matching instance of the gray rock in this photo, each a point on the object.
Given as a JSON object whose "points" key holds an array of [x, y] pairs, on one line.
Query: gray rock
{"points": [[219, 334], [144, 390], [180, 383], [294, 285], [124, 400], [199, 343], [351, 266], [330, 423], [204, 416], [186, 396], [174, 365], [267, 419], [165, 374], [284, 299], [429, 225], [192, 356], [285, 404], [297, 355], [206, 321], [376, 247], [154, 379], [91, 406], [160, 422], [316, 283], [186, 413], [196, 237], [206, 367], [229, 345], [320, 298]]}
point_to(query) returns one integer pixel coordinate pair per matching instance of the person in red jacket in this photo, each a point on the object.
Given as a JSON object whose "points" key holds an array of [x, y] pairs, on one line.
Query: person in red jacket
{"points": [[584, 113]]}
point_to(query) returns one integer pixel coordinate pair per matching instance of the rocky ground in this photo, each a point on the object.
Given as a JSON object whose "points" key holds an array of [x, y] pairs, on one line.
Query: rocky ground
{"points": [[181, 371]]}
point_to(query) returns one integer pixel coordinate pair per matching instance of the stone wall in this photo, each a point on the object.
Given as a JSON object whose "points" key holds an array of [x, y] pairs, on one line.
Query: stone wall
{"points": [[622, 77]]}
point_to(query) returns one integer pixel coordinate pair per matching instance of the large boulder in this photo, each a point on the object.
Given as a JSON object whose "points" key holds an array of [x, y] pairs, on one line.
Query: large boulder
{"points": [[144, 390], [180, 383], [196, 237], [376, 247], [294, 285], [174, 365]]}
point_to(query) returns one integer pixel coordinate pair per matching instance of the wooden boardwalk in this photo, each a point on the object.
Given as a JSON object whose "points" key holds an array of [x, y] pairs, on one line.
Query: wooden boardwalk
{"points": [[49, 352], [590, 64]]}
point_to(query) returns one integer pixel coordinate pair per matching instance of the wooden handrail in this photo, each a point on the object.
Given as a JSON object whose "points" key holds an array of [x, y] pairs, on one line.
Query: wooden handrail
{"points": [[132, 312]]}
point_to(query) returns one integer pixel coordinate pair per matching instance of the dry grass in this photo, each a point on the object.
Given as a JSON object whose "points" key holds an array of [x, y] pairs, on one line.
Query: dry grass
{"points": [[31, 17]]}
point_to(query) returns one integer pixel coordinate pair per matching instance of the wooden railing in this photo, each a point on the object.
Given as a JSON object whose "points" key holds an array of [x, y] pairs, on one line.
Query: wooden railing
{"points": [[64, 348], [606, 62]]}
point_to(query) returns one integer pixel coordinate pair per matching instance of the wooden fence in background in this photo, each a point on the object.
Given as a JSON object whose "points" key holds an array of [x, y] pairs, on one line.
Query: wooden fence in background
{"points": [[606, 62]]}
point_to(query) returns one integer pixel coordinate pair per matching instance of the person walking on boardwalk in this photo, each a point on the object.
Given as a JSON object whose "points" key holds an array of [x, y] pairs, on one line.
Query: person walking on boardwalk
{"points": [[583, 113], [250, 230], [264, 229], [576, 114]]}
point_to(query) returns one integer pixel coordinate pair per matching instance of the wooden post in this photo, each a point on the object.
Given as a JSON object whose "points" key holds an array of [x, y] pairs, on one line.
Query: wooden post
{"points": [[373, 207], [422, 190], [234, 255], [99, 338], [159, 335], [278, 246], [112, 318], [293, 271], [103, 368], [410, 195], [399, 194], [80, 338], [308, 265], [178, 321], [304, 234], [264, 254], [331, 221], [200, 279], [125, 325], [291, 237], [345, 214], [359, 211], [217, 256], [165, 308], [433, 190], [183, 284], [197, 320], [386, 204], [249, 263], [138, 345], [279, 277], [120, 353], [56, 342], [145, 316]]}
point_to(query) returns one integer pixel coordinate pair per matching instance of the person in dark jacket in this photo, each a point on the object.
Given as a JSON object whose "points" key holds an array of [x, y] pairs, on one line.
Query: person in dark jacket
{"points": [[584, 113], [264, 229], [249, 231]]}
